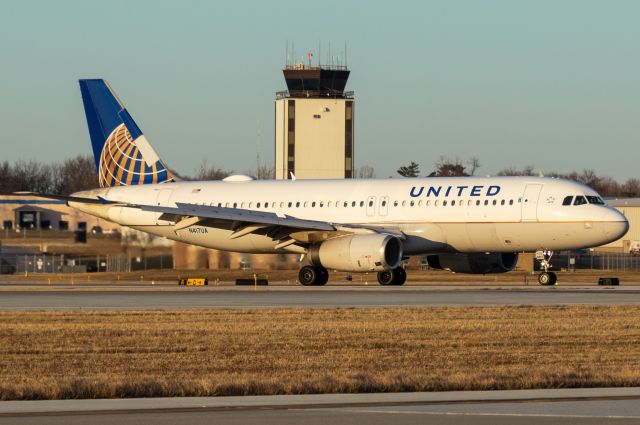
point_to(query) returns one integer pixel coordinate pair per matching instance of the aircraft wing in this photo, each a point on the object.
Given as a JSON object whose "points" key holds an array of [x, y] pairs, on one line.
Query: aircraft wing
{"points": [[203, 212], [284, 228]]}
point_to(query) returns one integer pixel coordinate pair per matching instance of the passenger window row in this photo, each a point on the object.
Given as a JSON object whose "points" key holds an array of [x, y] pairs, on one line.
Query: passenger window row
{"points": [[453, 203], [354, 204], [298, 204]]}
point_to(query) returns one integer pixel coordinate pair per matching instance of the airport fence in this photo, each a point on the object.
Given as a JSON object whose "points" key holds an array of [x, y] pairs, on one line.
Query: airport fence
{"points": [[30, 263], [46, 263], [612, 261]]}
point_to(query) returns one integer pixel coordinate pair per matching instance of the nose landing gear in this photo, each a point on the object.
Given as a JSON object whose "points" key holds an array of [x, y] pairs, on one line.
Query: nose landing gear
{"points": [[546, 278]]}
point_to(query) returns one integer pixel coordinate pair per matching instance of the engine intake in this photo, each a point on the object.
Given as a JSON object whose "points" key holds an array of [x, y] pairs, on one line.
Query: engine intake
{"points": [[495, 262], [358, 253]]}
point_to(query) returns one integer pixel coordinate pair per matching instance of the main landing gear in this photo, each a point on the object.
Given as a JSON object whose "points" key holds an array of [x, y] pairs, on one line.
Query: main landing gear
{"points": [[313, 276], [318, 276], [546, 277], [397, 276]]}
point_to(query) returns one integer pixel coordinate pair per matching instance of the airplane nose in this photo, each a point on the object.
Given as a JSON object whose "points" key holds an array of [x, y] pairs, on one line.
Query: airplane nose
{"points": [[615, 224]]}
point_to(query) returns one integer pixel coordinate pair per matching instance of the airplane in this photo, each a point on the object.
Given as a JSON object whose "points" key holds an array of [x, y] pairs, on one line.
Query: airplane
{"points": [[474, 225]]}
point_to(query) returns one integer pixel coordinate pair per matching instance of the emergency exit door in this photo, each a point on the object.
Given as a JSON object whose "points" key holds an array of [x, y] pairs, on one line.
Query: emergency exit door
{"points": [[371, 205]]}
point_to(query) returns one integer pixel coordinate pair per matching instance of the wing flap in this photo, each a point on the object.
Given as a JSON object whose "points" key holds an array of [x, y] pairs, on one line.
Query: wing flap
{"points": [[237, 215]]}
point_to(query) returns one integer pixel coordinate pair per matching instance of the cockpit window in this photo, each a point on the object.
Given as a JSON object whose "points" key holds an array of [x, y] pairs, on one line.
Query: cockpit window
{"points": [[567, 200], [595, 200], [580, 200]]}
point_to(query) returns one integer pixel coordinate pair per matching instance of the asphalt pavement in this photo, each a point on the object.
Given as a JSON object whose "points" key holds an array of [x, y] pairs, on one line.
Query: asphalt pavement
{"points": [[71, 298], [564, 406]]}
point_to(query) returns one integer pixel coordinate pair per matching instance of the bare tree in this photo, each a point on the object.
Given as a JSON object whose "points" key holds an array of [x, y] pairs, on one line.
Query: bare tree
{"points": [[6, 178], [589, 177], [74, 174], [604, 185], [206, 172], [366, 172], [511, 171], [607, 186], [32, 176], [474, 164], [446, 167], [265, 172], [631, 188], [411, 170]]}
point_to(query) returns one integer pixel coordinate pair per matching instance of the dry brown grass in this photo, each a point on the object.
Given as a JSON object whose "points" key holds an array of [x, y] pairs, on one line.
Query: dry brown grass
{"points": [[47, 355]]}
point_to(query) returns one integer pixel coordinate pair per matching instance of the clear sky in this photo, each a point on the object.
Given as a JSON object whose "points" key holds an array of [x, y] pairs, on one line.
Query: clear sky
{"points": [[553, 84]]}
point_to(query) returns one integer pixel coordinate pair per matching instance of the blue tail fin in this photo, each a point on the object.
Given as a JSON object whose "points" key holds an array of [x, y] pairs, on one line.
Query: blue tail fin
{"points": [[122, 153]]}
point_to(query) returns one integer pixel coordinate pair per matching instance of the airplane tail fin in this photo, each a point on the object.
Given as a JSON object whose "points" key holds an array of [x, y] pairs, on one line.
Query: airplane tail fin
{"points": [[123, 155]]}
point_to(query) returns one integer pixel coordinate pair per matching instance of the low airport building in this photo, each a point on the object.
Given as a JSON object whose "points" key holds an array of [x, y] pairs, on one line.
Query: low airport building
{"points": [[629, 243], [24, 213]]}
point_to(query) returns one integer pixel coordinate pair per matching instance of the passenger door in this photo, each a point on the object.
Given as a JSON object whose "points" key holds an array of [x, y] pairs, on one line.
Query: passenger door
{"points": [[530, 202]]}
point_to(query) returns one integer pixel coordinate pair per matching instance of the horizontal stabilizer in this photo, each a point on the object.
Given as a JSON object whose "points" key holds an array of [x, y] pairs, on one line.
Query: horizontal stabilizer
{"points": [[98, 200]]}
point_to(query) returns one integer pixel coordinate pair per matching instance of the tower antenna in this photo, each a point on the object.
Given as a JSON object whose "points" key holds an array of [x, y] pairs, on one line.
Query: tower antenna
{"points": [[258, 130], [345, 54]]}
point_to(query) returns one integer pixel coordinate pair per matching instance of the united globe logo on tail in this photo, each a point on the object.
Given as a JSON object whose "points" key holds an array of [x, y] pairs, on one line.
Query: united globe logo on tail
{"points": [[122, 162], [122, 153]]}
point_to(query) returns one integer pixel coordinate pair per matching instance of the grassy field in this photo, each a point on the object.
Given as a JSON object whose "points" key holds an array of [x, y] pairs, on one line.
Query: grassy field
{"points": [[89, 354]]}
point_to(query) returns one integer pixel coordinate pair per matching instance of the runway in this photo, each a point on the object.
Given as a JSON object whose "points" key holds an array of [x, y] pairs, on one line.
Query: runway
{"points": [[564, 406], [70, 298]]}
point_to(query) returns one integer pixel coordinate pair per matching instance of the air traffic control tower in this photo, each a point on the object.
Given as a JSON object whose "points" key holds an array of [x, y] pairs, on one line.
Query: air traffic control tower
{"points": [[314, 123]]}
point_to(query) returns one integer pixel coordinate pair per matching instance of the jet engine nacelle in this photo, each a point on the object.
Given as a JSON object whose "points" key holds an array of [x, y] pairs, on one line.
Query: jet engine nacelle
{"points": [[494, 262], [358, 253]]}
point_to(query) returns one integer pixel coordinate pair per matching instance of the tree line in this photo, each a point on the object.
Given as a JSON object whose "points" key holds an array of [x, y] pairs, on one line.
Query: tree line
{"points": [[604, 185], [65, 177], [79, 173]]}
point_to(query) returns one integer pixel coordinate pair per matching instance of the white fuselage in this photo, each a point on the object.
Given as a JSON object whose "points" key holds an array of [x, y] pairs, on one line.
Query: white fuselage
{"points": [[437, 215]]}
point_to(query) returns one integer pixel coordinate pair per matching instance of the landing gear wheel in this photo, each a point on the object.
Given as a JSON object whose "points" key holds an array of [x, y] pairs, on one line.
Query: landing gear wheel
{"points": [[400, 276], [307, 275], [547, 278], [322, 277], [386, 277], [397, 276], [313, 276]]}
